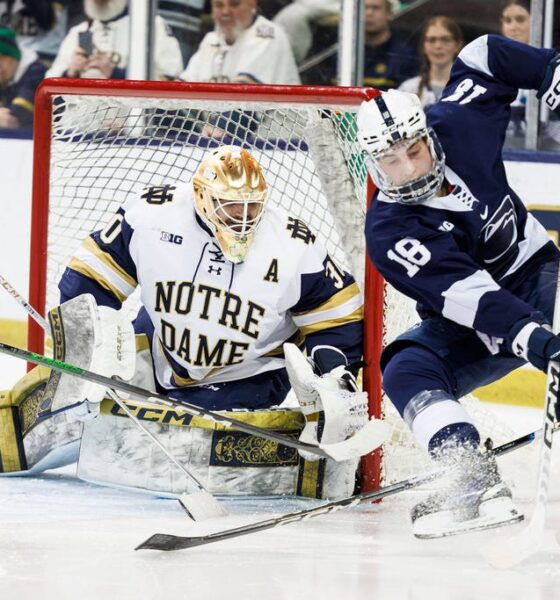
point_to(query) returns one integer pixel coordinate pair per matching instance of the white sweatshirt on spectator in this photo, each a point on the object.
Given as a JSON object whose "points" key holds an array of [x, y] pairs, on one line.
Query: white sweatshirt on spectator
{"points": [[113, 38], [261, 54]]}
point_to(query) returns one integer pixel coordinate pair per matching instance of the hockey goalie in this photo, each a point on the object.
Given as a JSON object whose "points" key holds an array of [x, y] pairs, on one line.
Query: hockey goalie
{"points": [[240, 303]]}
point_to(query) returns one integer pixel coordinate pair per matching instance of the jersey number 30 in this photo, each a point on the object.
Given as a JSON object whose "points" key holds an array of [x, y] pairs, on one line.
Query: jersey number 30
{"points": [[411, 254]]}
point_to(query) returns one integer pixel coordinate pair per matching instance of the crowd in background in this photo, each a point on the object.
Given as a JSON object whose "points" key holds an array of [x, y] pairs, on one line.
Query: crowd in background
{"points": [[262, 41]]}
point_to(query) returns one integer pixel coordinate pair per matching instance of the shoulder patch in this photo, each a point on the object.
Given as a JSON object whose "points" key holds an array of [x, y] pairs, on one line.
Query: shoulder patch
{"points": [[159, 194], [300, 231], [265, 31]]}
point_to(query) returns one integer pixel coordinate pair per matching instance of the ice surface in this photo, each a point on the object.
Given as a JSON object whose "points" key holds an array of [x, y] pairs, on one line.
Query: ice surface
{"points": [[63, 538]]}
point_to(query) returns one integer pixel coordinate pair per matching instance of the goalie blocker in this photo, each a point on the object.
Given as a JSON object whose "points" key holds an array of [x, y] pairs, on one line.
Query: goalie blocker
{"points": [[46, 422]]}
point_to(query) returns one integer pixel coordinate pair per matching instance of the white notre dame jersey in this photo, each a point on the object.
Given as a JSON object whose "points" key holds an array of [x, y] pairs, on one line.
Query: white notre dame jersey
{"points": [[112, 37], [261, 54], [213, 320]]}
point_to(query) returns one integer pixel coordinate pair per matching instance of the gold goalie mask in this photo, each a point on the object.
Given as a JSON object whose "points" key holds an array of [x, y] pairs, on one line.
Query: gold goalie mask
{"points": [[229, 196]]}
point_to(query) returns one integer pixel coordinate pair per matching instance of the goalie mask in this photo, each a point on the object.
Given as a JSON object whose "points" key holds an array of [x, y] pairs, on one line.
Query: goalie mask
{"points": [[403, 155], [230, 193]]}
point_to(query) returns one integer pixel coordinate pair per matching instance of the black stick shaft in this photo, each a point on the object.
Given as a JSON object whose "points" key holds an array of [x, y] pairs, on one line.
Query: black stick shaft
{"points": [[161, 541], [143, 394]]}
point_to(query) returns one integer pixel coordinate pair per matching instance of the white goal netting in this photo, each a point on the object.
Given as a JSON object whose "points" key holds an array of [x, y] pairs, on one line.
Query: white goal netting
{"points": [[107, 148]]}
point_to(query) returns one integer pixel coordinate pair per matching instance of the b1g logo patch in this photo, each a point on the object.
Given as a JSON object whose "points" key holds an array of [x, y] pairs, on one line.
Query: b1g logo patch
{"points": [[172, 238]]}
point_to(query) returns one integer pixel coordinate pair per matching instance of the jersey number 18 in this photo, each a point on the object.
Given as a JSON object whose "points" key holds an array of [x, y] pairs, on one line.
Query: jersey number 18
{"points": [[411, 254]]}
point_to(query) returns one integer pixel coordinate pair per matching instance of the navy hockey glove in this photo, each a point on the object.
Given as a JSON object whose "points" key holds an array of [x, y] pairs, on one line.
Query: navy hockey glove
{"points": [[549, 91], [537, 344]]}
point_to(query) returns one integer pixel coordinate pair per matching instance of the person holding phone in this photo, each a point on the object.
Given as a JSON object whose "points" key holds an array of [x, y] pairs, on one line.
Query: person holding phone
{"points": [[99, 46]]}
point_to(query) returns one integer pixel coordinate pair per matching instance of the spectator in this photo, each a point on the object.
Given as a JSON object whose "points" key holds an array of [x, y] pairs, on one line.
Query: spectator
{"points": [[389, 60], [39, 24], [244, 47], [440, 42], [515, 19], [98, 47], [296, 19], [20, 74], [185, 19]]}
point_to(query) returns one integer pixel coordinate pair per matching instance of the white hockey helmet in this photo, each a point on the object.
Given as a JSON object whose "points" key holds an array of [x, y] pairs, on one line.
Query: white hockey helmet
{"points": [[386, 120], [229, 196]]}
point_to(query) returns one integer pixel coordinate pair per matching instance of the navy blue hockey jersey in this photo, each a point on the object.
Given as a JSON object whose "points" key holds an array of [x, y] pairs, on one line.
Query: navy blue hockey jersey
{"points": [[463, 255]]}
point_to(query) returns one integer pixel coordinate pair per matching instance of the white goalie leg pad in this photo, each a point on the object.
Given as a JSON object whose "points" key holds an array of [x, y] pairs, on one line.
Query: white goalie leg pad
{"points": [[114, 452], [97, 338], [332, 412]]}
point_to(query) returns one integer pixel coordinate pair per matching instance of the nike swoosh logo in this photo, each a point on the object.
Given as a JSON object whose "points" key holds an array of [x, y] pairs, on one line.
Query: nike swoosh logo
{"points": [[484, 214]]}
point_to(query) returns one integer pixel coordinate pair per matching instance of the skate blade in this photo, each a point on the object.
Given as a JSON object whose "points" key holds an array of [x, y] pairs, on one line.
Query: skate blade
{"points": [[442, 524], [471, 529]]}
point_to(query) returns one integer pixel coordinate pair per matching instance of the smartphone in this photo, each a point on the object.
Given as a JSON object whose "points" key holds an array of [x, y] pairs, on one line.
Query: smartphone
{"points": [[85, 42]]}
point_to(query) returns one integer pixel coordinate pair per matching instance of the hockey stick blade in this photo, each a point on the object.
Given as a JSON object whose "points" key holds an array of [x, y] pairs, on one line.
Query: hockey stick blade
{"points": [[201, 505], [370, 436], [322, 451], [168, 542], [506, 554]]}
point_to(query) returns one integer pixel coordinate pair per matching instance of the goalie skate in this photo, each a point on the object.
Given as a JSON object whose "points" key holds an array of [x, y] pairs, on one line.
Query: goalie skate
{"points": [[477, 499]]}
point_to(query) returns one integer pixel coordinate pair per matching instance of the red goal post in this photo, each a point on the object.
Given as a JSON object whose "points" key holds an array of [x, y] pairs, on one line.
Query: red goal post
{"points": [[95, 142]]}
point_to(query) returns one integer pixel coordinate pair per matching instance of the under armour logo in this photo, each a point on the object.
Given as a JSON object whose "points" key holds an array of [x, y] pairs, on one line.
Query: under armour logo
{"points": [[217, 270]]}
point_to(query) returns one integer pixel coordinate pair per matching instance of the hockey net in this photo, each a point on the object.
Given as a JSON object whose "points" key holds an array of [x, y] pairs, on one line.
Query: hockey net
{"points": [[99, 143]]}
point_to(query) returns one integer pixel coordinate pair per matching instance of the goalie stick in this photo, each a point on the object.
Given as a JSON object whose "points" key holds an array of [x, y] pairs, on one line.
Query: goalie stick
{"points": [[198, 505], [168, 542], [371, 436]]}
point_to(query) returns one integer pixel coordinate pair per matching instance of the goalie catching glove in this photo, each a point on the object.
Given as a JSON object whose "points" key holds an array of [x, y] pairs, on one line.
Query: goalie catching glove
{"points": [[96, 338], [333, 406]]}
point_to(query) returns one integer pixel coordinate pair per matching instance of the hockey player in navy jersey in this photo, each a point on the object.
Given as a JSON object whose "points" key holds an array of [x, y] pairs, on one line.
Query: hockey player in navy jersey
{"points": [[447, 230]]}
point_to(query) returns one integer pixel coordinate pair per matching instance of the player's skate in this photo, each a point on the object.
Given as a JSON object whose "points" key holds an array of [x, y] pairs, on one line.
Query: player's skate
{"points": [[476, 499]]}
